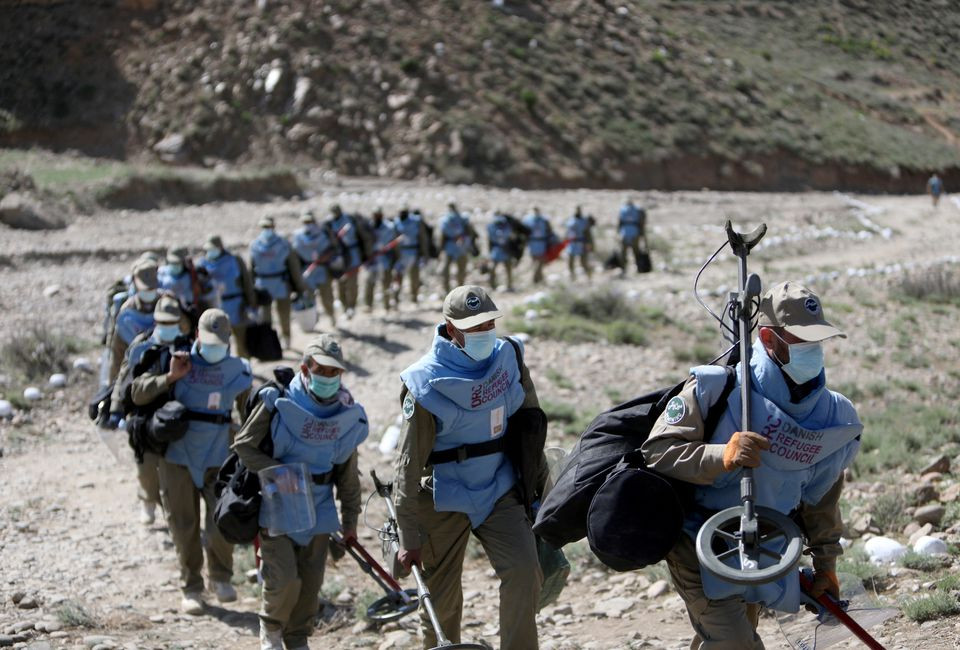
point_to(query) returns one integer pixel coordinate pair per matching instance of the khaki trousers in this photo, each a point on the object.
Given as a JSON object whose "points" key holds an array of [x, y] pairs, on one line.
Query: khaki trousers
{"points": [[370, 284], [584, 262], [181, 501], [508, 268], [538, 270], [148, 478], [461, 263], [325, 293], [507, 539], [626, 247], [347, 288], [292, 577], [726, 624], [283, 312], [413, 273]]}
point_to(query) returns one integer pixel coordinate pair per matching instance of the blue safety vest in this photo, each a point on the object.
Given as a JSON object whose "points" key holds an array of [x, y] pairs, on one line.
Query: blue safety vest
{"points": [[470, 401], [629, 226], [383, 234], [498, 232], [539, 239], [225, 271], [408, 251], [269, 259], [210, 389], [577, 228], [312, 242], [318, 435], [346, 228], [812, 442], [131, 321], [179, 285], [456, 240]]}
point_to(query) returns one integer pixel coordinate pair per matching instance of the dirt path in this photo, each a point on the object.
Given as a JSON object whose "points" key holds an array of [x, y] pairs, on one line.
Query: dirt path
{"points": [[68, 531]]}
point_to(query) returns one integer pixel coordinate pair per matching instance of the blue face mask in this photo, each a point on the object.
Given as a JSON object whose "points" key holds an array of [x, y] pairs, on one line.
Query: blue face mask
{"points": [[147, 295], [166, 333], [266, 234], [175, 269], [324, 387], [213, 254], [213, 352], [479, 345], [806, 361]]}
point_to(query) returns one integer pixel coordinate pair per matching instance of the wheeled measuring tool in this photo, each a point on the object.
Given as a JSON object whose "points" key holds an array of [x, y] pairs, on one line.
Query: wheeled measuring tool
{"points": [[390, 535], [748, 544]]}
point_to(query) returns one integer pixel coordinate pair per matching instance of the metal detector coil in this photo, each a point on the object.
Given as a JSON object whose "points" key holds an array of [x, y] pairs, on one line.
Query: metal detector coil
{"points": [[748, 544]]}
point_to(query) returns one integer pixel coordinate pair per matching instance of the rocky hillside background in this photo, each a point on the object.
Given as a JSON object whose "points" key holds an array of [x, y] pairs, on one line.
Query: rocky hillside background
{"points": [[849, 94]]}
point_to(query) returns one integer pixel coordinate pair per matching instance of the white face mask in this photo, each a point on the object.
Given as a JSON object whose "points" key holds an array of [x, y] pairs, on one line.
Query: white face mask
{"points": [[147, 295], [479, 345], [806, 361], [213, 253]]}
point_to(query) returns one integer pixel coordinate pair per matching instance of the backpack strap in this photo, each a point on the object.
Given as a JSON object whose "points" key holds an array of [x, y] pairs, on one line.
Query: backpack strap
{"points": [[717, 409]]}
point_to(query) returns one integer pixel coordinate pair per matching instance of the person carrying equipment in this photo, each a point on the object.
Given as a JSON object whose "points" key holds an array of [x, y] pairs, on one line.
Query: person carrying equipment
{"points": [[935, 189], [414, 246], [207, 382], [580, 234], [457, 243], [499, 235], [169, 325], [379, 268], [276, 269], [316, 245], [357, 244], [237, 292], [453, 477], [541, 238], [632, 227], [135, 315], [806, 435], [313, 421], [175, 276]]}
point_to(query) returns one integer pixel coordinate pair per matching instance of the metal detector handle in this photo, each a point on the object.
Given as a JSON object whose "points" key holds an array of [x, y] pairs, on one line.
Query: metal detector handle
{"points": [[834, 608], [743, 243], [427, 601]]}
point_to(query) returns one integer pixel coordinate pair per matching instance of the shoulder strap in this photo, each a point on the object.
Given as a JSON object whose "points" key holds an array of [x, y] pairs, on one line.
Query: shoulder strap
{"points": [[716, 410], [519, 354]]}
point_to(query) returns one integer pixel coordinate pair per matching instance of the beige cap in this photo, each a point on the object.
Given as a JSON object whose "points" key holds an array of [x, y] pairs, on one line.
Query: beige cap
{"points": [[468, 306], [177, 255], [214, 327], [148, 256], [145, 274], [797, 310], [266, 222], [167, 311], [213, 242], [326, 350], [308, 217]]}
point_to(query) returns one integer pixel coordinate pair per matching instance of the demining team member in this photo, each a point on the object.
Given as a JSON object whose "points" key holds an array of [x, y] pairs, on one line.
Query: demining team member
{"points": [[175, 278], [461, 393], [316, 245], [413, 247], [207, 381], [935, 189], [276, 269], [456, 243], [237, 289], [631, 227], [348, 231], [805, 436], [539, 241], [379, 268], [499, 235], [581, 242], [313, 421], [136, 313], [169, 324]]}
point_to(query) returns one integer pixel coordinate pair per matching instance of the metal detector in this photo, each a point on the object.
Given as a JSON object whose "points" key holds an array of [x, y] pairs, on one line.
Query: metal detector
{"points": [[398, 601], [748, 544], [390, 535]]}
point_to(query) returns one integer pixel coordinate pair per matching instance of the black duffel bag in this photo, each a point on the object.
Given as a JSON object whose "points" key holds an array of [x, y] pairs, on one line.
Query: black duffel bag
{"points": [[263, 342], [169, 422], [237, 512]]}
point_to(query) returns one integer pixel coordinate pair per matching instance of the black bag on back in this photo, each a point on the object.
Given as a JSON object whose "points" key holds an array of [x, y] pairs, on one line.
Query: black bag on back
{"points": [[263, 342], [564, 513], [644, 265]]}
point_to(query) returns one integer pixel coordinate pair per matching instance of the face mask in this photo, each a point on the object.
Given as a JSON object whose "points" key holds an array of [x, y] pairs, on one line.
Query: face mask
{"points": [[213, 353], [479, 345], [176, 269], [166, 333], [806, 361], [213, 254], [324, 387], [266, 234], [147, 295]]}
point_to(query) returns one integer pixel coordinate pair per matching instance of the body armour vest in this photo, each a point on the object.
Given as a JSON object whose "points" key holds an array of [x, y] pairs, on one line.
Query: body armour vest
{"points": [[312, 242], [470, 401], [577, 234], [208, 388], [498, 232], [319, 435], [383, 235], [539, 234], [811, 443], [456, 241], [629, 226], [179, 285], [409, 248], [269, 259], [131, 321], [225, 271], [346, 229]]}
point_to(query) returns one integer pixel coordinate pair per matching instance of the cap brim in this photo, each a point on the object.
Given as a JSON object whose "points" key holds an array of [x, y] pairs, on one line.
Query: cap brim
{"points": [[325, 360], [166, 321], [473, 321], [211, 338], [814, 333]]}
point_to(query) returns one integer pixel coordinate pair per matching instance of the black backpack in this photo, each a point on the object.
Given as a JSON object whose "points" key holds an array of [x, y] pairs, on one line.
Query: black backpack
{"points": [[237, 489], [598, 486]]}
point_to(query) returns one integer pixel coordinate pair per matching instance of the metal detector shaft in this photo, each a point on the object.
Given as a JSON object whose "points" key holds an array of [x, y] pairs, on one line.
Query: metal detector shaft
{"points": [[371, 567], [838, 612]]}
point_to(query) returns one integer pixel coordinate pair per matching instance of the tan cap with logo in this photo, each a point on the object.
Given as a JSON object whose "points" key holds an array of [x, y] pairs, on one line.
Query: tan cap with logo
{"points": [[167, 311], [326, 350], [797, 310], [177, 255], [213, 242], [308, 217], [145, 274], [468, 306], [266, 222], [214, 327]]}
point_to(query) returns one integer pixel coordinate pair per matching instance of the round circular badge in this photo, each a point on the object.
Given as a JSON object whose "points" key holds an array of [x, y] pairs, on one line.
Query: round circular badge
{"points": [[473, 302], [812, 306], [676, 409]]}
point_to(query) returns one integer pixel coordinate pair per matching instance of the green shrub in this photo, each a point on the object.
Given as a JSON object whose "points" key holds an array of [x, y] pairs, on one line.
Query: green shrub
{"points": [[72, 614], [920, 562], [410, 67], [856, 562], [529, 99], [939, 604], [895, 432], [36, 351], [888, 511], [939, 283]]}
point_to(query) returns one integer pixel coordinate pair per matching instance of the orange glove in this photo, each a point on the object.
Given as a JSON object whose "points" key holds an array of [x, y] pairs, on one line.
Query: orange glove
{"points": [[824, 581], [743, 450]]}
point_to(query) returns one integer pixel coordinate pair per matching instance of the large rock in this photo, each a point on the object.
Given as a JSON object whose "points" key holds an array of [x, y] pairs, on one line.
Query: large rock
{"points": [[22, 211], [927, 545], [173, 149], [951, 494], [883, 550], [932, 514], [939, 464]]}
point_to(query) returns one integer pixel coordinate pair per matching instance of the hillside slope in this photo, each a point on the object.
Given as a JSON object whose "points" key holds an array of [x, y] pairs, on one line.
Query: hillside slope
{"points": [[855, 94]]}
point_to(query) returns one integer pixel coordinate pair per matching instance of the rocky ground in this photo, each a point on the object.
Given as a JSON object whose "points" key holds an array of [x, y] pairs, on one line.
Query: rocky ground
{"points": [[77, 570]]}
